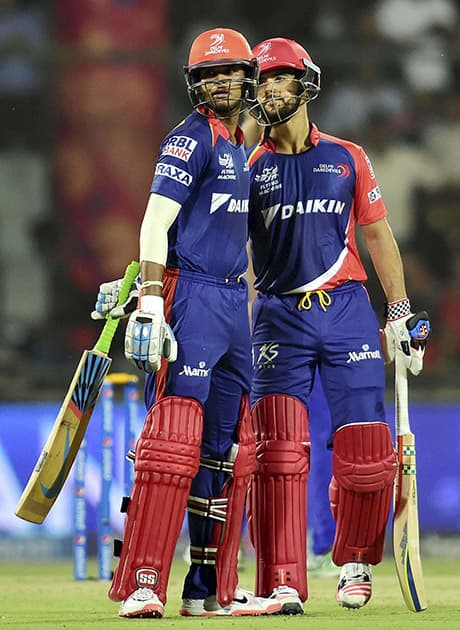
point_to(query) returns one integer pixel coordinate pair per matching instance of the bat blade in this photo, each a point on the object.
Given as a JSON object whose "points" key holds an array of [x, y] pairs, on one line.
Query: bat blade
{"points": [[58, 454], [406, 541]]}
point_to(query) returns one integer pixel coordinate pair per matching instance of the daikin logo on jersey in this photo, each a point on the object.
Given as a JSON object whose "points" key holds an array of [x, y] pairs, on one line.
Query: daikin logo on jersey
{"points": [[221, 200], [363, 355], [310, 206]]}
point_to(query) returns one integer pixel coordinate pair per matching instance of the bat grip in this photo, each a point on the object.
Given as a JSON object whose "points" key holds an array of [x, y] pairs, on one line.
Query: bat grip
{"points": [[401, 397], [108, 332]]}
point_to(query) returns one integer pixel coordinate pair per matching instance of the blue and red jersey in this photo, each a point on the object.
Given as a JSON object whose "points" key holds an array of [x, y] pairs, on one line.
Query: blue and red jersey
{"points": [[303, 212], [208, 175]]}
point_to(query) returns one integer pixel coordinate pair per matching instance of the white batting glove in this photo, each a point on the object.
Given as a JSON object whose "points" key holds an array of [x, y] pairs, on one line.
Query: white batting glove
{"points": [[406, 334], [107, 298], [148, 337]]}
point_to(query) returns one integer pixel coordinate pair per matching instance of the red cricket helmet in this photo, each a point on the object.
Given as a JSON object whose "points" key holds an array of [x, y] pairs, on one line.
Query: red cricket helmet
{"points": [[220, 47], [280, 53]]}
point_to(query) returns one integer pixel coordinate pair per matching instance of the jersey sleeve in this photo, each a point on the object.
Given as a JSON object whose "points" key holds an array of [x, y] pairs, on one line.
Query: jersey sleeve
{"points": [[369, 206], [183, 156]]}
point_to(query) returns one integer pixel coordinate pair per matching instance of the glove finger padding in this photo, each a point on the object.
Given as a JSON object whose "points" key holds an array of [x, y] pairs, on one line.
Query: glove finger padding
{"points": [[169, 344], [107, 299], [143, 341], [148, 337], [388, 345]]}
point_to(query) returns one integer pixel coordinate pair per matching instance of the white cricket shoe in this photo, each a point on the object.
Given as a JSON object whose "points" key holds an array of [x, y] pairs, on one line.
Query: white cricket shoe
{"points": [[322, 566], [192, 608], [142, 603], [288, 597], [355, 585], [244, 604]]}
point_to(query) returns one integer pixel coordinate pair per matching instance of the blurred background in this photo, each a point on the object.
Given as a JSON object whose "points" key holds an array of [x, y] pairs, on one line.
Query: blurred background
{"points": [[88, 88]]}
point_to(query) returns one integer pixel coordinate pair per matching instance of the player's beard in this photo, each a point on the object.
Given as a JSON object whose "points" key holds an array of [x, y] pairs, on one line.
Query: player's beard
{"points": [[226, 103], [282, 108]]}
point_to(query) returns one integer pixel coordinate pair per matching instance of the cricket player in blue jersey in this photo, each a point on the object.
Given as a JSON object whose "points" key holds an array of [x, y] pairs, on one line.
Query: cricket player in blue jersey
{"points": [[321, 524], [308, 192], [190, 333]]}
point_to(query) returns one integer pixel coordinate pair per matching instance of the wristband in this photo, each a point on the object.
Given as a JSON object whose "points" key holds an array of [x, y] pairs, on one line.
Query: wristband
{"points": [[398, 309], [152, 283]]}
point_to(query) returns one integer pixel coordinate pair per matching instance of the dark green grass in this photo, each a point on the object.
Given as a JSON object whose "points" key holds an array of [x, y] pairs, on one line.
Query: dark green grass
{"points": [[37, 596]]}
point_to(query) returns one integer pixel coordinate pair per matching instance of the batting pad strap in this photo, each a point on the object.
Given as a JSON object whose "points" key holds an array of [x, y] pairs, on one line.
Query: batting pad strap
{"points": [[215, 464], [215, 508], [227, 533], [203, 555], [364, 466], [167, 458], [124, 504], [277, 497]]}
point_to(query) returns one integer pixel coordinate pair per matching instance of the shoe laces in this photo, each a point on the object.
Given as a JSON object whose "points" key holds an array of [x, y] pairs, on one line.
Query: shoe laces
{"points": [[284, 590], [241, 592], [357, 572], [142, 594]]}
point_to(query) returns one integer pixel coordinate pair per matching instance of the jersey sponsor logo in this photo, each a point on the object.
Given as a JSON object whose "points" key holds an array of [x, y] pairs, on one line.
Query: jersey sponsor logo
{"points": [[268, 180], [268, 352], [374, 194], [201, 371], [363, 355], [180, 147], [218, 200], [228, 170], [226, 160], [341, 169], [369, 166], [217, 45], [147, 577], [311, 206], [173, 172]]}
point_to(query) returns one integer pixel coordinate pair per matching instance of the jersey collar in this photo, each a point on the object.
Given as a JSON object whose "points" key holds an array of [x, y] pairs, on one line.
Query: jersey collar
{"points": [[219, 129], [314, 137]]}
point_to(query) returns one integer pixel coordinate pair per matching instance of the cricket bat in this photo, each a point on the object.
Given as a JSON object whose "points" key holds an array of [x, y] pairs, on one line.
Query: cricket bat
{"points": [[58, 454], [406, 543]]}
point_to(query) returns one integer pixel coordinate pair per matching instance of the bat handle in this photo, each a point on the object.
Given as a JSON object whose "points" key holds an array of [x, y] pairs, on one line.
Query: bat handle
{"points": [[108, 332], [401, 397]]}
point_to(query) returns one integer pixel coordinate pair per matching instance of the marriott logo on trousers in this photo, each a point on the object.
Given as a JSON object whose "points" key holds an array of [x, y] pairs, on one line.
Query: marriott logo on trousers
{"points": [[364, 355], [200, 371]]}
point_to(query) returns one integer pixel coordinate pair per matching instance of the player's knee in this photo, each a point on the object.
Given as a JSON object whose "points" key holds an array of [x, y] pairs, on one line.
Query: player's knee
{"points": [[171, 437], [282, 434], [364, 458]]}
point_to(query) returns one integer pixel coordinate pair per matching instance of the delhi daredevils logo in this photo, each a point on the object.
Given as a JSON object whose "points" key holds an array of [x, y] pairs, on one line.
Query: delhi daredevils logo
{"points": [[344, 170], [147, 577]]}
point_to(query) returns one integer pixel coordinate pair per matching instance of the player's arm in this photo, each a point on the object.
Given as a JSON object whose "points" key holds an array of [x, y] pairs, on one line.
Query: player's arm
{"points": [[404, 332], [159, 215], [385, 256], [148, 336]]}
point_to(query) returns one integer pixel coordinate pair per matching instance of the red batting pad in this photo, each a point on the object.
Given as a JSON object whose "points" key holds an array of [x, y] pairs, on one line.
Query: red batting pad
{"points": [[277, 510], [364, 466], [227, 535], [167, 459]]}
